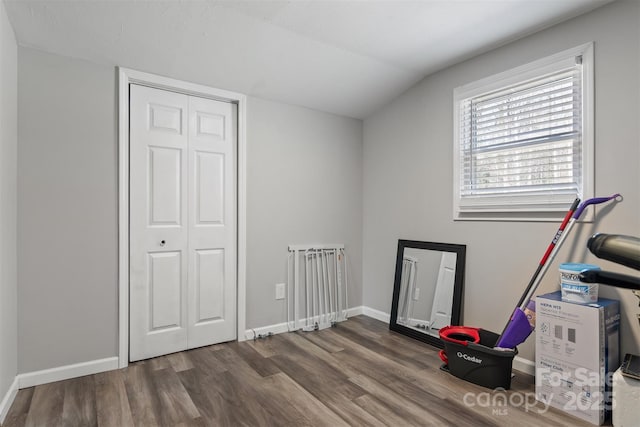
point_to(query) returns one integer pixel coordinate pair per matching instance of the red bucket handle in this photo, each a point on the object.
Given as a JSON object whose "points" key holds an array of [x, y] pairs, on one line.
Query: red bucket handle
{"points": [[472, 333], [467, 331]]}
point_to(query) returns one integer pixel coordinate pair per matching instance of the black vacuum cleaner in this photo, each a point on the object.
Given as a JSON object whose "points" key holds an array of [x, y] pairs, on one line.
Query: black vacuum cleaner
{"points": [[623, 250]]}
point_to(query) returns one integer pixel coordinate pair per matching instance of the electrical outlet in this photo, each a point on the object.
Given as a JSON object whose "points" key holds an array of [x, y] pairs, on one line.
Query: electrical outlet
{"points": [[279, 290], [416, 294]]}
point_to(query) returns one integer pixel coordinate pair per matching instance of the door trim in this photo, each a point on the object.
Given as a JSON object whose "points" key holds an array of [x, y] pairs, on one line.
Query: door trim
{"points": [[125, 77]]}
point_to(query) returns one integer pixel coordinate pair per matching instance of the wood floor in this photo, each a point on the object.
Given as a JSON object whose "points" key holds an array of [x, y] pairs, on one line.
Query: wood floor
{"points": [[357, 374]]}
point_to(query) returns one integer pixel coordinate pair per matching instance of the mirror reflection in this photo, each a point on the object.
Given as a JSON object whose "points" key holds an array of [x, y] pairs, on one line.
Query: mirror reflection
{"points": [[428, 288]]}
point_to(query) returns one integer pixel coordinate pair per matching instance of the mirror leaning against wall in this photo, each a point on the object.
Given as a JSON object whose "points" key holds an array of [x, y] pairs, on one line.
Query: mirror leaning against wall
{"points": [[427, 293]]}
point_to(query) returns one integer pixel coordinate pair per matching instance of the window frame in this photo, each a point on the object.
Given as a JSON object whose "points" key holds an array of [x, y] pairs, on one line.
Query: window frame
{"points": [[529, 211]]}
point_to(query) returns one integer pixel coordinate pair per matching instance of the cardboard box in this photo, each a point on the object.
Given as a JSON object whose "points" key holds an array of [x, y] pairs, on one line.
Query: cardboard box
{"points": [[626, 395], [577, 350]]}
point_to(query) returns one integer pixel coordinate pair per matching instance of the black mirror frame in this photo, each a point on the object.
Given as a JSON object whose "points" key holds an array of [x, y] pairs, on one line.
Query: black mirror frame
{"points": [[456, 309]]}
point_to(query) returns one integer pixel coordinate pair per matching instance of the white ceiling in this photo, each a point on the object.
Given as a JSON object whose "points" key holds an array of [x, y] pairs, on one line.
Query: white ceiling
{"points": [[344, 57]]}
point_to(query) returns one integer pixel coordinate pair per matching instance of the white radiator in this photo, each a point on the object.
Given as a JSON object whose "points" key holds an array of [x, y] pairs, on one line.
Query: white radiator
{"points": [[317, 286]]}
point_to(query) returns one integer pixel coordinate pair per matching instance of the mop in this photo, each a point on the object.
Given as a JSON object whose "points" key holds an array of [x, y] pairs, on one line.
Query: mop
{"points": [[519, 327]]}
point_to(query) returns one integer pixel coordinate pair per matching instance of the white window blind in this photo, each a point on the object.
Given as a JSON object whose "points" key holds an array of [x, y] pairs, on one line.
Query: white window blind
{"points": [[521, 145]]}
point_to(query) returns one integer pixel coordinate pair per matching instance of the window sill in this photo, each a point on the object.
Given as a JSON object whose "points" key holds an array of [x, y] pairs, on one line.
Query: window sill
{"points": [[587, 216]]}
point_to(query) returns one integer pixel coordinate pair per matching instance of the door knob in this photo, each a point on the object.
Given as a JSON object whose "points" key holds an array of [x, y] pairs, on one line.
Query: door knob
{"points": [[163, 242]]}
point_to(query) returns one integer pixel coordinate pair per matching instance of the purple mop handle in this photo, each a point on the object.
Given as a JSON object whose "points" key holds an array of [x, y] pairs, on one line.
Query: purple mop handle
{"points": [[593, 201], [534, 286]]}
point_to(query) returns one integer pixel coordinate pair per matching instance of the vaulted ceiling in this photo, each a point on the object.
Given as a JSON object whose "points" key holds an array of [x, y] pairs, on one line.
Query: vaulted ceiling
{"points": [[339, 56]]}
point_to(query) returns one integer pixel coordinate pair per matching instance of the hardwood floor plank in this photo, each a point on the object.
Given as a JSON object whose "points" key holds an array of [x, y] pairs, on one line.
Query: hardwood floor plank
{"points": [[336, 396], [300, 404], [365, 333], [160, 362], [239, 388], [430, 388], [263, 366], [411, 359], [452, 389], [174, 403], [179, 361], [358, 374], [266, 347], [46, 406], [198, 422], [232, 361], [203, 358], [336, 392], [244, 401], [141, 394], [308, 347], [369, 323], [414, 414], [402, 381], [257, 402], [353, 414], [381, 411], [214, 410], [310, 373], [383, 365], [320, 341], [266, 392], [79, 407], [17, 415], [394, 340], [112, 403]]}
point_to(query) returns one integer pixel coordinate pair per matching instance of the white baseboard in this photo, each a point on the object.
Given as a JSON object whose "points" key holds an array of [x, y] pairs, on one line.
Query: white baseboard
{"points": [[279, 328], [6, 402], [45, 376], [524, 365], [376, 314]]}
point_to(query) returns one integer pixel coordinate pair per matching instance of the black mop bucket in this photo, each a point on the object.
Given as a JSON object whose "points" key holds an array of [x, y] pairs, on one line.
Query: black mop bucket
{"points": [[469, 354]]}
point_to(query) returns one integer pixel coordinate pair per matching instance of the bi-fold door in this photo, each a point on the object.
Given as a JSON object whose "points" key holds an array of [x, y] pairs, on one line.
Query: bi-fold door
{"points": [[182, 266]]}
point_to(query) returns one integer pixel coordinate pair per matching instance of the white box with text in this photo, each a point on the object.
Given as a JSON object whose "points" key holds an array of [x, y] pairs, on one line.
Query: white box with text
{"points": [[577, 351]]}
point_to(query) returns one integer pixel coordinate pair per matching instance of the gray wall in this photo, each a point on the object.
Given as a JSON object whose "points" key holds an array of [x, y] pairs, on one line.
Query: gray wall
{"points": [[67, 192], [408, 146], [304, 186], [67, 204], [8, 211]]}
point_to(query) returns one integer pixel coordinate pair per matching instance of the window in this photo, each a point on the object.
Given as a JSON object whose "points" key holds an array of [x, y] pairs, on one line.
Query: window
{"points": [[523, 140]]}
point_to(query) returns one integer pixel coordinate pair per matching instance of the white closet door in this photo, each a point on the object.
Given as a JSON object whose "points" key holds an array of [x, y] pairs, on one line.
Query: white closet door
{"points": [[443, 299], [158, 222], [182, 222], [212, 230]]}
